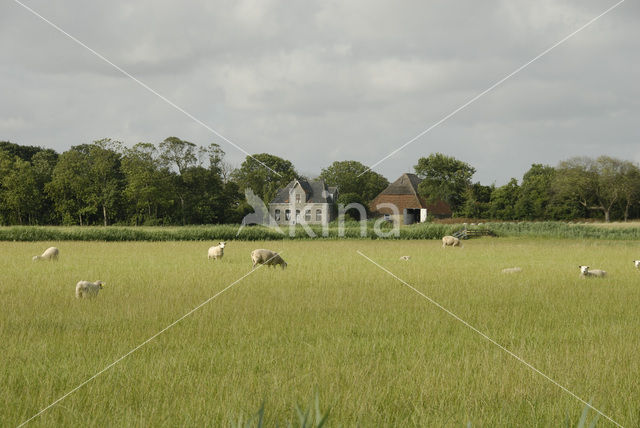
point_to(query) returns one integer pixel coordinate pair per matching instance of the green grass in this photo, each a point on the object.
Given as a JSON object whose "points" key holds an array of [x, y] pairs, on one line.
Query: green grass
{"points": [[375, 352], [352, 230]]}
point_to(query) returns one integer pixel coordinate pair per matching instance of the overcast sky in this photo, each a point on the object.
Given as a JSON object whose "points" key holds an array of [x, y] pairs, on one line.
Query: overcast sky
{"points": [[316, 82]]}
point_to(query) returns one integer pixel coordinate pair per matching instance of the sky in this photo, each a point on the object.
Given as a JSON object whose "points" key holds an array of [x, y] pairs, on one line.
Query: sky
{"points": [[321, 81]]}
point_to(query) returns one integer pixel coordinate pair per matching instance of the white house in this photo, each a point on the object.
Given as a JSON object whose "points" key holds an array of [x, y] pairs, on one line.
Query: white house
{"points": [[310, 201]]}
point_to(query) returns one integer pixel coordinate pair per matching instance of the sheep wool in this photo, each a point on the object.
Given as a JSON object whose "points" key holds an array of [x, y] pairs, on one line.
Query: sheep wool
{"points": [[50, 253], [267, 257], [86, 289], [216, 252]]}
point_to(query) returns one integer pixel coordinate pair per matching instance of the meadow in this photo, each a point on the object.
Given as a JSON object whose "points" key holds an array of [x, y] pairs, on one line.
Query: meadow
{"points": [[332, 324]]}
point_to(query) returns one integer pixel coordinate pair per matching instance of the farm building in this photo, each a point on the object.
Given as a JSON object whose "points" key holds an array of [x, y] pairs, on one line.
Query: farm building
{"points": [[311, 201], [411, 207]]}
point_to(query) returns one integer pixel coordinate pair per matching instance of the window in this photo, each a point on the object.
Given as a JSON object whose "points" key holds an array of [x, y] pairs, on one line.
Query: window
{"points": [[307, 215], [298, 197], [287, 215], [318, 215], [277, 215], [297, 215]]}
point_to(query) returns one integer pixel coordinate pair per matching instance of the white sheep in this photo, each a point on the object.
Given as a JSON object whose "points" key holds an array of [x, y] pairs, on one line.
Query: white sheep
{"points": [[50, 253], [86, 289], [405, 258], [267, 257], [637, 263], [216, 252], [585, 272], [450, 241], [512, 270]]}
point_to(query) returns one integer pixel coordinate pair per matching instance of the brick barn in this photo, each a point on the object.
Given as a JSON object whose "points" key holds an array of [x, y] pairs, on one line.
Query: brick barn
{"points": [[403, 193]]}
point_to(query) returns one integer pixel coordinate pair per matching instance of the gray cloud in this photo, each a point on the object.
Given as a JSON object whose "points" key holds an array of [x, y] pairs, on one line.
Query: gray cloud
{"points": [[316, 82]]}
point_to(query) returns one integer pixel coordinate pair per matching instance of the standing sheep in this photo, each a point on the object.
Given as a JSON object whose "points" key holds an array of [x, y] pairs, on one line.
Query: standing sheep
{"points": [[216, 252], [450, 241], [50, 253], [585, 272], [86, 289], [267, 257], [637, 264]]}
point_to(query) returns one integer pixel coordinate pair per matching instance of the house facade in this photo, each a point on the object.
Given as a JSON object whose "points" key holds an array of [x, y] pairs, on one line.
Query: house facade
{"points": [[410, 207], [311, 202]]}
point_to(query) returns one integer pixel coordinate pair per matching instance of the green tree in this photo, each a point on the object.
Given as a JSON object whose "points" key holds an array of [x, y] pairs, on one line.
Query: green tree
{"points": [[148, 188], [352, 177], [629, 186], [179, 153], [20, 192], [69, 187], [594, 184], [352, 198], [445, 178], [504, 199], [253, 175], [477, 201], [535, 193], [106, 177]]}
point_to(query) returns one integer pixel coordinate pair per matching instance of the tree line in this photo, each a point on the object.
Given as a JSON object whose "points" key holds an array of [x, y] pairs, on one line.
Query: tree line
{"points": [[604, 188], [177, 182]]}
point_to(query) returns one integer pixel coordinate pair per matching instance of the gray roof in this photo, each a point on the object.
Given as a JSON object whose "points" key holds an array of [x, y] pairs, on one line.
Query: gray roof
{"points": [[407, 184], [316, 191]]}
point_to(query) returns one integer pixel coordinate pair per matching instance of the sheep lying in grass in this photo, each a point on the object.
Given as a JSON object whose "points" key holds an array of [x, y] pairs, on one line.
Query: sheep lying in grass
{"points": [[512, 270], [50, 253], [86, 289], [405, 258], [216, 252], [267, 257], [585, 272], [637, 264], [450, 241]]}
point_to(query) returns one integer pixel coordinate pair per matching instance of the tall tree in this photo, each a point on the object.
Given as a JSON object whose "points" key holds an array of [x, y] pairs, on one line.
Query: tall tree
{"points": [[69, 187], [352, 177], [264, 182], [20, 192], [629, 186], [179, 153], [595, 184], [535, 193], [106, 176], [477, 201], [148, 186], [444, 177], [503, 200]]}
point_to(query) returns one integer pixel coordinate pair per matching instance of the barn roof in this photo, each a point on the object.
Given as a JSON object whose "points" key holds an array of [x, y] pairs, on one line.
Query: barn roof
{"points": [[407, 184], [404, 194]]}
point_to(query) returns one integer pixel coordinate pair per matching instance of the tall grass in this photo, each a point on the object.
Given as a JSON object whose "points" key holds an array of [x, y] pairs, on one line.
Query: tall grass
{"points": [[376, 352], [352, 230]]}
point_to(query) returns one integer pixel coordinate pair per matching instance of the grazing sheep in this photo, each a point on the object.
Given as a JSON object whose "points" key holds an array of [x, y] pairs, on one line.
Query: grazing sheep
{"points": [[50, 253], [450, 241], [637, 263], [512, 270], [86, 289], [267, 257], [405, 258], [216, 252], [585, 272]]}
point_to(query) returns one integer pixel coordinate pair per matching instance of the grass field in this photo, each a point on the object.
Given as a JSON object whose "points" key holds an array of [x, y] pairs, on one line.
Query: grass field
{"points": [[332, 324]]}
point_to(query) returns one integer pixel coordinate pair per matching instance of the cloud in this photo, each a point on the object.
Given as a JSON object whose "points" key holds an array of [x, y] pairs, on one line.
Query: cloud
{"points": [[319, 81]]}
